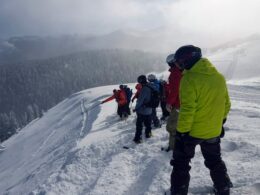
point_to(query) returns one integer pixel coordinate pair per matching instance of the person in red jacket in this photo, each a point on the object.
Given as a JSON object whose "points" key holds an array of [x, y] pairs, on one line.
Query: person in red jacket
{"points": [[138, 88], [173, 101], [121, 99]]}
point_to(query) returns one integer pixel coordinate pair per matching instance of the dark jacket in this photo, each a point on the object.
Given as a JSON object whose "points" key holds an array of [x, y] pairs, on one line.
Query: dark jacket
{"points": [[144, 97]]}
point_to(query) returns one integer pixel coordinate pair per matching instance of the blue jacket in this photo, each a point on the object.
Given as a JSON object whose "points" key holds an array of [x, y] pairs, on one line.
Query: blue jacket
{"points": [[156, 85], [143, 98]]}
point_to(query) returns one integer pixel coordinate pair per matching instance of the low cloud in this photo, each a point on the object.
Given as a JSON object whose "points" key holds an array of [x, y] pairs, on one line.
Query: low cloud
{"points": [[219, 20]]}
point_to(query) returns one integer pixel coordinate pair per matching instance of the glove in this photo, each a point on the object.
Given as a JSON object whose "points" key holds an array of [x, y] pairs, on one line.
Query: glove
{"points": [[222, 134], [133, 100], [168, 107], [182, 136]]}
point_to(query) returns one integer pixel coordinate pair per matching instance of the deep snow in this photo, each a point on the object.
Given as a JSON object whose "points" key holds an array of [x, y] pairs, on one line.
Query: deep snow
{"points": [[74, 149]]}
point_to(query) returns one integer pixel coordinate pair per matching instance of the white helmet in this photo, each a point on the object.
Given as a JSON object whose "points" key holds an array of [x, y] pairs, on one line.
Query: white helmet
{"points": [[170, 59], [151, 77]]}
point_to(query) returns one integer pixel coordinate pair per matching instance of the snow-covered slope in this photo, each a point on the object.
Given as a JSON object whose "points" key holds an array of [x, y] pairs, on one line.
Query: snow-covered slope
{"points": [[238, 60], [77, 148]]}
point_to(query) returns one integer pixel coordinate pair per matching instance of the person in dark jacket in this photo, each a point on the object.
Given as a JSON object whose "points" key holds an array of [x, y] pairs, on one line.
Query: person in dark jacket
{"points": [[204, 104], [143, 112], [121, 99], [156, 86]]}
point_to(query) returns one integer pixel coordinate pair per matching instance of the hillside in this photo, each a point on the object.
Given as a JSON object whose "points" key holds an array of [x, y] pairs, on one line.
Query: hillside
{"points": [[29, 88], [77, 148]]}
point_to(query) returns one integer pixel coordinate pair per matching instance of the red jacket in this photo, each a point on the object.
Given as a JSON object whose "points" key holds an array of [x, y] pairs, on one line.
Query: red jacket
{"points": [[173, 87], [120, 97]]}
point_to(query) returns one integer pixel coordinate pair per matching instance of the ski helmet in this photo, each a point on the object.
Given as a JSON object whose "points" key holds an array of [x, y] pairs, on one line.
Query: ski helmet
{"points": [[142, 79], [188, 55], [170, 60], [151, 77]]}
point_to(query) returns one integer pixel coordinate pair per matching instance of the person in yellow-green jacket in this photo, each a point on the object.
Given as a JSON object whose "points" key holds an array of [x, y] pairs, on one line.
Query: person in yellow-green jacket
{"points": [[204, 105]]}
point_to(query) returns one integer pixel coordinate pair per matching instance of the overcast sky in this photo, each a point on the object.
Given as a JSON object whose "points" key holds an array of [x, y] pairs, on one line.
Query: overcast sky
{"points": [[221, 18]]}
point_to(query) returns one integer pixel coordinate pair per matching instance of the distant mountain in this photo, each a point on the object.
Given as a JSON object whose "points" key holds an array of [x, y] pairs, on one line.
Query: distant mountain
{"points": [[236, 43], [161, 39], [33, 47], [239, 58]]}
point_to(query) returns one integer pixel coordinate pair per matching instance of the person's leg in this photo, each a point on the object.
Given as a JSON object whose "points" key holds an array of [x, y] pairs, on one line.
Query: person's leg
{"points": [[171, 127], [165, 113], [184, 151], [147, 124], [156, 119], [125, 111], [119, 111], [139, 127], [212, 154], [128, 108]]}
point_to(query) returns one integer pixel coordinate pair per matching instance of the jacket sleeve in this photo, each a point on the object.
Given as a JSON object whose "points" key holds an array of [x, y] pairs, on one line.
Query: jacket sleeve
{"points": [[174, 84], [227, 104], [109, 99], [136, 95], [188, 106]]}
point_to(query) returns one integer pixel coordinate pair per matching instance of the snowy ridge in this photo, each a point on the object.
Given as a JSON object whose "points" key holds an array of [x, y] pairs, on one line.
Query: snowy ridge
{"points": [[77, 148], [246, 82]]}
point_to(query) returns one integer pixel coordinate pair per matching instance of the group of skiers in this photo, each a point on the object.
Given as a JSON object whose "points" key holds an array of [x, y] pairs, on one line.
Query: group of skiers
{"points": [[195, 103], [146, 114], [123, 97]]}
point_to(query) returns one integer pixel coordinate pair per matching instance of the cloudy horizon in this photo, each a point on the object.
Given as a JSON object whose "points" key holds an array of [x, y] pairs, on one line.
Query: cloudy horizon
{"points": [[219, 20]]}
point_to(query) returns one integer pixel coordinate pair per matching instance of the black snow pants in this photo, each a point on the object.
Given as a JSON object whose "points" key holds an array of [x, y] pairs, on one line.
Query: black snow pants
{"points": [[165, 113], [122, 111], [184, 151], [155, 120], [146, 120]]}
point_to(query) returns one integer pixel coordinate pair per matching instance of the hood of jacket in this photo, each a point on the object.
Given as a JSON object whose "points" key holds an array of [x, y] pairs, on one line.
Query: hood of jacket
{"points": [[203, 66]]}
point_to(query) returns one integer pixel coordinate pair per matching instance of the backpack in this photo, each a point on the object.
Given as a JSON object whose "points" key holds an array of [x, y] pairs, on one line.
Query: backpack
{"points": [[129, 94], [155, 98]]}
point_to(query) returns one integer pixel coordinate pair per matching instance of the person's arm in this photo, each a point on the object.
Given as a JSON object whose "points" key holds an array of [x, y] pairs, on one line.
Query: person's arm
{"points": [[135, 96], [108, 99], [188, 106], [227, 104]]}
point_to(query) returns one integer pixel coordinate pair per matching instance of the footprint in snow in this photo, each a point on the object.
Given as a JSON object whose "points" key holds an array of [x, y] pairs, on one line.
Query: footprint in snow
{"points": [[229, 146]]}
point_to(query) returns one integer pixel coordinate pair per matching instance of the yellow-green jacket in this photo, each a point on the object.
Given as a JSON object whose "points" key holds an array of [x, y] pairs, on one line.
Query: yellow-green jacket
{"points": [[204, 101]]}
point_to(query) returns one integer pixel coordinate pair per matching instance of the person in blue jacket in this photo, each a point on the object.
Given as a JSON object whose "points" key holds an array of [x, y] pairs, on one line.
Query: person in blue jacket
{"points": [[143, 112]]}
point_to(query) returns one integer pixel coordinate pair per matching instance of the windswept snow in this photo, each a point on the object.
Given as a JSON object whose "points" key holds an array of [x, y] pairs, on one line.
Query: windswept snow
{"points": [[77, 148]]}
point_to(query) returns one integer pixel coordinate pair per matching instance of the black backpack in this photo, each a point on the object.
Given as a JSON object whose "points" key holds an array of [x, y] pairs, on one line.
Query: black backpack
{"points": [[129, 93], [155, 98]]}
